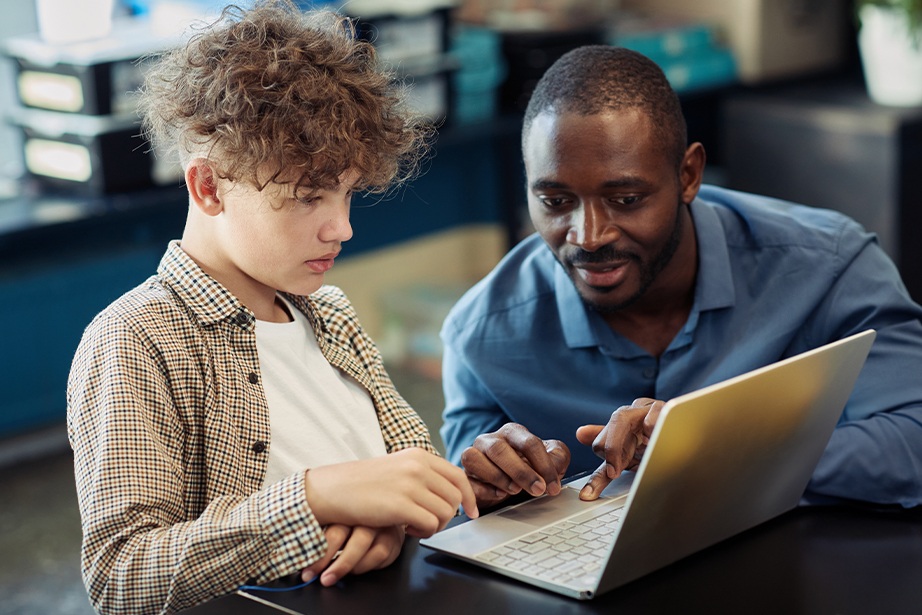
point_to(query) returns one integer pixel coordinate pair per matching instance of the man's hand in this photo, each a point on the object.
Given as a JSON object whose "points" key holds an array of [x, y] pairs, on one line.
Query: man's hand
{"points": [[355, 550], [511, 460], [621, 443], [411, 488]]}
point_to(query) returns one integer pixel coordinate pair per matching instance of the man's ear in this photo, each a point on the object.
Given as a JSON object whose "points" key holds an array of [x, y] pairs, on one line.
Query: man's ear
{"points": [[203, 186], [691, 172]]}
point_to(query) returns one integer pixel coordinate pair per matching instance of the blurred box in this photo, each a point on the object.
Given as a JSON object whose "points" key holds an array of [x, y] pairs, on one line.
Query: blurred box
{"points": [[828, 145], [412, 321], [400, 35], [528, 54], [481, 69], [689, 52], [95, 77], [769, 39], [430, 85], [537, 15], [412, 37], [90, 155], [98, 89]]}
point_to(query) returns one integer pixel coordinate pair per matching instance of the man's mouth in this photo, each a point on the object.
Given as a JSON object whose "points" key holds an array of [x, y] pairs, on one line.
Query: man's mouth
{"points": [[602, 275]]}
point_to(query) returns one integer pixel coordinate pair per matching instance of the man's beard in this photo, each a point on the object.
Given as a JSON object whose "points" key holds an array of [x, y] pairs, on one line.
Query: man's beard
{"points": [[649, 270]]}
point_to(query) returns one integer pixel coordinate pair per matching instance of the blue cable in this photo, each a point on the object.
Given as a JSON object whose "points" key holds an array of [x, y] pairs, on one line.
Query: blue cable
{"points": [[259, 588]]}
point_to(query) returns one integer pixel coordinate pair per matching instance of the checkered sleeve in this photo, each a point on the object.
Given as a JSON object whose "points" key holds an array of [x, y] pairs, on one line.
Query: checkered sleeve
{"points": [[151, 542]]}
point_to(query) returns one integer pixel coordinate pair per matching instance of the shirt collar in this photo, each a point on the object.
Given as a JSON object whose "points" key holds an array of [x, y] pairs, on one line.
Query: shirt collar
{"points": [[714, 287], [207, 298], [574, 314]]}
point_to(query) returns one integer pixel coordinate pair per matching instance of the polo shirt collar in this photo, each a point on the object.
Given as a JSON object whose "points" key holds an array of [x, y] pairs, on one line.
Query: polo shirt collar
{"points": [[574, 314], [714, 287]]}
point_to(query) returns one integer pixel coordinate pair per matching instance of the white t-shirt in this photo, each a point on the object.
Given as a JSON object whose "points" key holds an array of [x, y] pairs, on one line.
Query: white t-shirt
{"points": [[318, 415]]}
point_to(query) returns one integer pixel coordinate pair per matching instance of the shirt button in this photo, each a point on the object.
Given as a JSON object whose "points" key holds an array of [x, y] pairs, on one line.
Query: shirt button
{"points": [[259, 446], [649, 373], [253, 378], [241, 318]]}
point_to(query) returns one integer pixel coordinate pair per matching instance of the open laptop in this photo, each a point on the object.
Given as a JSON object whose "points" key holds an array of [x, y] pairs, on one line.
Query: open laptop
{"points": [[720, 461]]}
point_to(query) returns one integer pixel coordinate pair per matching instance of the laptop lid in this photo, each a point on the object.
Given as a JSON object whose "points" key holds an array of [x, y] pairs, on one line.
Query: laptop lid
{"points": [[720, 460], [733, 455]]}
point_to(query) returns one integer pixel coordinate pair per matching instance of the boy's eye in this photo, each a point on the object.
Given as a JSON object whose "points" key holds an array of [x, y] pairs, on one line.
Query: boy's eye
{"points": [[307, 199]]}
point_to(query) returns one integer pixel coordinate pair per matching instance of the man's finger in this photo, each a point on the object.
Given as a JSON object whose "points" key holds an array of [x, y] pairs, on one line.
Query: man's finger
{"points": [[533, 469], [519, 455], [588, 433], [596, 483], [487, 495], [559, 454], [479, 466], [622, 436]]}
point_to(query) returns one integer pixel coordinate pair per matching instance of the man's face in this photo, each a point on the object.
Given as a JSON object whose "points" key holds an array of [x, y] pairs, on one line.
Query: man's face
{"points": [[607, 201]]}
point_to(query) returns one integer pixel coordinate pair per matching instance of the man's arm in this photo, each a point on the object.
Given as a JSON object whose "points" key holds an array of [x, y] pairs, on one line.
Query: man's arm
{"points": [[500, 458], [875, 453], [470, 409]]}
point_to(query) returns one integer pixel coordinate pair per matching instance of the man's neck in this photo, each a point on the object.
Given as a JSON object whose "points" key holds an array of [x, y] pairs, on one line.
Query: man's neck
{"points": [[654, 321]]}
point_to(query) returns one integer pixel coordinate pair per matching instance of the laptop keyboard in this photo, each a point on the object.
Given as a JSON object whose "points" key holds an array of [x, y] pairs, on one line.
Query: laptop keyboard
{"points": [[570, 552]]}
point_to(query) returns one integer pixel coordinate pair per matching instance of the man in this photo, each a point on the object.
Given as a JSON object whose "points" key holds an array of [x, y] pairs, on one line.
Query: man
{"points": [[230, 419], [641, 284]]}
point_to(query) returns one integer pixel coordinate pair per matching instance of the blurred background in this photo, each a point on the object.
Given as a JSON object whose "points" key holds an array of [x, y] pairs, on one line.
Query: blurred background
{"points": [[784, 94]]}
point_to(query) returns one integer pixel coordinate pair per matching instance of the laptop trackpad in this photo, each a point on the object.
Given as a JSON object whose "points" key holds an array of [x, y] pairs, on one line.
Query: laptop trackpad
{"points": [[546, 510]]}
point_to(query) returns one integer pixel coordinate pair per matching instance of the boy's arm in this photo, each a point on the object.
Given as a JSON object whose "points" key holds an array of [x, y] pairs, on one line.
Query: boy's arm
{"points": [[150, 542]]}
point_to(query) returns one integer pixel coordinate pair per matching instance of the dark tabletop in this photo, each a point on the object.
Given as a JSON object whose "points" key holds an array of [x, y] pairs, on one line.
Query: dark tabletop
{"points": [[836, 560]]}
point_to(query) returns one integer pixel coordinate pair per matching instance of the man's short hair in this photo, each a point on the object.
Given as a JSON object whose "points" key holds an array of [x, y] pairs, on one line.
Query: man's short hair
{"points": [[598, 78], [274, 93]]}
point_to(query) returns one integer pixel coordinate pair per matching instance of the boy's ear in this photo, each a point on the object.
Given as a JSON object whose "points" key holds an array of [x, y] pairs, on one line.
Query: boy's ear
{"points": [[203, 187]]}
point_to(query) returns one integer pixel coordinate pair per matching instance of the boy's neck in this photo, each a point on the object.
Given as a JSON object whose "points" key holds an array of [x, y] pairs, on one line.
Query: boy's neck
{"points": [[260, 299]]}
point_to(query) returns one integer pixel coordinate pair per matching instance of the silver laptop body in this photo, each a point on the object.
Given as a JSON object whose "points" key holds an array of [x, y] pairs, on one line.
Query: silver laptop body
{"points": [[720, 461]]}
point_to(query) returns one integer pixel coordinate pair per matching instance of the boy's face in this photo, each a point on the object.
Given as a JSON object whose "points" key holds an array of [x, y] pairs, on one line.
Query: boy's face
{"points": [[281, 238]]}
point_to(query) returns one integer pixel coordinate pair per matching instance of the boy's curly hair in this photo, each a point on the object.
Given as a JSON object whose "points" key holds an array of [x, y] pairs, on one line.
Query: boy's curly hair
{"points": [[281, 95]]}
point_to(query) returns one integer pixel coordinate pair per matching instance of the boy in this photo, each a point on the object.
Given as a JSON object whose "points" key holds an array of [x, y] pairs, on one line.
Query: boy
{"points": [[230, 419]]}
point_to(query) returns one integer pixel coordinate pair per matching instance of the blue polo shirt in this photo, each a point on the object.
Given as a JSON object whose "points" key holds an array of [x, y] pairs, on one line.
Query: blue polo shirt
{"points": [[774, 279]]}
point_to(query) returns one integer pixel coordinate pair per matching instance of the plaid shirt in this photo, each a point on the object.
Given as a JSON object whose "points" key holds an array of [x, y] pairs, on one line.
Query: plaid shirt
{"points": [[170, 430]]}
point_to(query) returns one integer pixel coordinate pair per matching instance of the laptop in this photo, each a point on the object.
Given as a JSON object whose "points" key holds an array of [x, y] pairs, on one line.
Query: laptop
{"points": [[719, 461]]}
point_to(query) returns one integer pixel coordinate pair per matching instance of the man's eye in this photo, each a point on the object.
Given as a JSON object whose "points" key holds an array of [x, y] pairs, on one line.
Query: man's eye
{"points": [[626, 200], [554, 202]]}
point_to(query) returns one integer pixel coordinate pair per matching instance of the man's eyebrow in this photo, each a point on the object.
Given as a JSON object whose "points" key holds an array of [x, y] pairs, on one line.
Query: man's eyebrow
{"points": [[624, 182], [546, 184], [630, 181]]}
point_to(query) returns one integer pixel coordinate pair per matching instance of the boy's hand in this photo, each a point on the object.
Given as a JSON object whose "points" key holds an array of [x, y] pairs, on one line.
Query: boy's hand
{"points": [[355, 550], [411, 488]]}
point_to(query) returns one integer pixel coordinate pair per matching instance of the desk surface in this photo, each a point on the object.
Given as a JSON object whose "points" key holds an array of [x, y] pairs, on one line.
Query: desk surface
{"points": [[809, 561]]}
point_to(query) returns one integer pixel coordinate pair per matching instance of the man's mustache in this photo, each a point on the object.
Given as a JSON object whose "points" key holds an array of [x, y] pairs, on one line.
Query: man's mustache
{"points": [[605, 254]]}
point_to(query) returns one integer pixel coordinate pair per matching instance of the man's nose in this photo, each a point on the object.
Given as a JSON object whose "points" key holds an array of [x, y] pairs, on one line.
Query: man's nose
{"points": [[592, 227]]}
